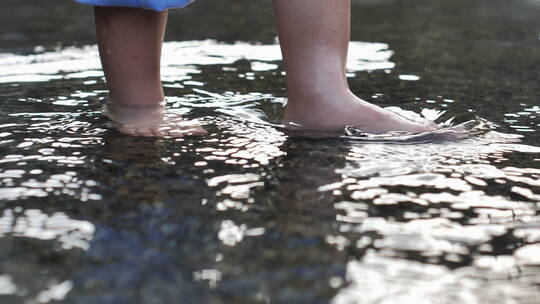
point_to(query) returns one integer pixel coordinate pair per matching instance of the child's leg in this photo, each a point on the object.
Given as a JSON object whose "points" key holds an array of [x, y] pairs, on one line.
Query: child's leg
{"points": [[130, 41], [314, 37]]}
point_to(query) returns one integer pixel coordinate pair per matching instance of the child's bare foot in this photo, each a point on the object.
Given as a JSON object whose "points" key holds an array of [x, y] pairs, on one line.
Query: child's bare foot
{"points": [[333, 113], [151, 121]]}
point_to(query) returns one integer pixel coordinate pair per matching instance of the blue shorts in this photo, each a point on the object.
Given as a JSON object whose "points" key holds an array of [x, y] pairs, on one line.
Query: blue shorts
{"points": [[155, 5]]}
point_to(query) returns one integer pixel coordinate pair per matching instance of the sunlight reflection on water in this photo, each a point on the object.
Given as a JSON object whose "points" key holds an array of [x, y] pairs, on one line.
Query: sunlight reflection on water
{"points": [[248, 203], [179, 59]]}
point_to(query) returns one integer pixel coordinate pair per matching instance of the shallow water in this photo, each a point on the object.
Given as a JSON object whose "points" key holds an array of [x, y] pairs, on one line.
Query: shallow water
{"points": [[250, 213]]}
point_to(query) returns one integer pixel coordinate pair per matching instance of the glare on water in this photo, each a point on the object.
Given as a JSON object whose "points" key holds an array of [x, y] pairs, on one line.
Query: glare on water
{"points": [[345, 218]]}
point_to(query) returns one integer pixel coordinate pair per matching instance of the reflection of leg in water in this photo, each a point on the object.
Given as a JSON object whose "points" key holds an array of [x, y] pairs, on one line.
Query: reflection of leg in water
{"points": [[314, 37], [124, 150], [306, 168], [304, 217], [127, 162], [130, 42]]}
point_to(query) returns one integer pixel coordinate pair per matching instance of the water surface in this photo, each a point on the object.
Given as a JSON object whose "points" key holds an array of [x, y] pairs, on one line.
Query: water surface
{"points": [[251, 214]]}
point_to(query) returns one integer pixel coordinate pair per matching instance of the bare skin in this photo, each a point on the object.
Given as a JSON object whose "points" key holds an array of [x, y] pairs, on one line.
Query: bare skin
{"points": [[130, 41], [314, 37]]}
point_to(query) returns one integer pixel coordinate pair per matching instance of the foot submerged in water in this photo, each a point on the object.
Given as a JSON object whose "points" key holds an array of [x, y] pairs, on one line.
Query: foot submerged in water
{"points": [[155, 121], [331, 115]]}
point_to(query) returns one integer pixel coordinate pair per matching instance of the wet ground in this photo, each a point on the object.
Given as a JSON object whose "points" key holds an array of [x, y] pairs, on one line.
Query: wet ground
{"points": [[250, 213]]}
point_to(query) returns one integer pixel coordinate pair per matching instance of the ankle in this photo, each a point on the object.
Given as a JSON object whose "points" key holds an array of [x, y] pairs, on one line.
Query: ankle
{"points": [[135, 105], [135, 95], [134, 114], [319, 97], [317, 86]]}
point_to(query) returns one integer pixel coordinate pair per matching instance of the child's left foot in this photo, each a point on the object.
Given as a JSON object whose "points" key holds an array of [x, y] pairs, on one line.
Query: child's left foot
{"points": [[334, 113], [152, 121]]}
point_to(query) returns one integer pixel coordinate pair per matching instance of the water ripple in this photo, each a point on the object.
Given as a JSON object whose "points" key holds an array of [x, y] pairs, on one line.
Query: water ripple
{"points": [[361, 218]]}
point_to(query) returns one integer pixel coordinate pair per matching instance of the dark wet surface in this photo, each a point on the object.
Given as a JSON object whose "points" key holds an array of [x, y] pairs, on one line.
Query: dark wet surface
{"points": [[249, 213]]}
